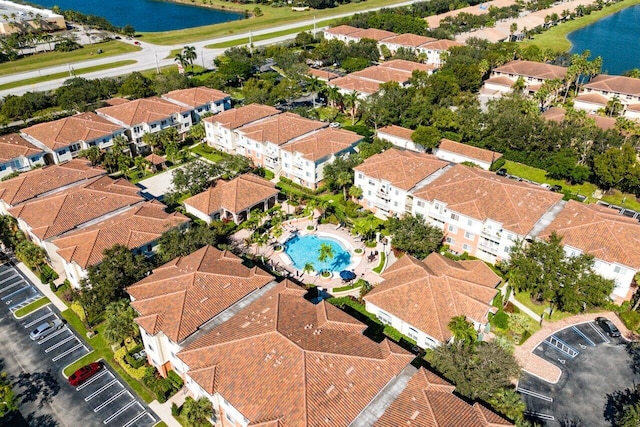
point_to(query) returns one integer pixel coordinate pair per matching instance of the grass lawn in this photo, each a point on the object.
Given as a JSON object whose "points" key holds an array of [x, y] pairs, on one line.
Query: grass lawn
{"points": [[585, 189], [208, 153], [79, 71], [272, 16], [257, 38], [556, 37], [32, 307], [49, 59], [102, 350], [525, 299]]}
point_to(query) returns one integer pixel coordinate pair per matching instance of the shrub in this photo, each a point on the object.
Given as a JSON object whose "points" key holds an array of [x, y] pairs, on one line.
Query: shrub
{"points": [[175, 409], [137, 373], [631, 320], [500, 320], [175, 380], [497, 164], [53, 286], [77, 308]]}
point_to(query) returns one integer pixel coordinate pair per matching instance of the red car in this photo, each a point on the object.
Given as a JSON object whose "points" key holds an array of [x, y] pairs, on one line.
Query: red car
{"points": [[137, 43], [84, 373]]}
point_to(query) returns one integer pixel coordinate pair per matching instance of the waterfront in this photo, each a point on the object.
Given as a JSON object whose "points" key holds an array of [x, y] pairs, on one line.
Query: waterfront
{"points": [[147, 15], [614, 38]]}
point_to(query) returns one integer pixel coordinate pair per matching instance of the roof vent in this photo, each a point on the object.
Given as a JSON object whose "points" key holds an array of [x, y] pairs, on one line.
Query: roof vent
{"points": [[203, 299], [415, 415], [350, 370], [330, 389]]}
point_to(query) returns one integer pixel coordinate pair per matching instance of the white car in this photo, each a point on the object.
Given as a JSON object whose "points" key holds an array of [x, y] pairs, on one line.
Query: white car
{"points": [[46, 329]]}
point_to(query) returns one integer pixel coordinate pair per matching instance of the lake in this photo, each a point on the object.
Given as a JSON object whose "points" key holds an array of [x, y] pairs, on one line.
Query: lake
{"points": [[615, 38], [146, 15]]}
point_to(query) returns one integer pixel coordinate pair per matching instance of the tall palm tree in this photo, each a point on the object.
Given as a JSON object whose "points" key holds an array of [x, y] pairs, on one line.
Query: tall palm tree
{"points": [[325, 253], [351, 103], [308, 268], [119, 323], [190, 55], [334, 96], [180, 59], [462, 330], [314, 85], [197, 412]]}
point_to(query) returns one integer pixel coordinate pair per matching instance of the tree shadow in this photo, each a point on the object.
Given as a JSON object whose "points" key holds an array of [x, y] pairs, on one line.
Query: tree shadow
{"points": [[633, 350], [45, 420], [37, 386], [571, 421], [616, 402]]}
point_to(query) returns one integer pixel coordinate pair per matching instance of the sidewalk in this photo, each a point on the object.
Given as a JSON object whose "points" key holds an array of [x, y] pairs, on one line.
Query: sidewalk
{"points": [[44, 288], [163, 410], [523, 308]]}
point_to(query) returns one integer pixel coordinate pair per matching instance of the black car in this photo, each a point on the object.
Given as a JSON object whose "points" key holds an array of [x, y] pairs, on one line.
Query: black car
{"points": [[502, 172], [608, 326], [556, 188]]}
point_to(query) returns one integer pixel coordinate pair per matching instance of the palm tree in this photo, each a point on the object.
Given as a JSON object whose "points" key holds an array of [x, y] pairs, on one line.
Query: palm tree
{"points": [[314, 85], [334, 97], [190, 55], [180, 59], [351, 103], [343, 180], [355, 192], [508, 402], [462, 330], [197, 412], [308, 268], [119, 324], [325, 253]]}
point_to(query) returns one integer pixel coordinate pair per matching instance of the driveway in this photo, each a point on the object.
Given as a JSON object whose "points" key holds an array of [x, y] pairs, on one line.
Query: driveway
{"points": [[157, 186], [35, 367], [593, 366]]}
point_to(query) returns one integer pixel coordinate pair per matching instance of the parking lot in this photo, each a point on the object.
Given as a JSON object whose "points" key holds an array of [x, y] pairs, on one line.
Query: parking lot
{"points": [[104, 396], [593, 366]]}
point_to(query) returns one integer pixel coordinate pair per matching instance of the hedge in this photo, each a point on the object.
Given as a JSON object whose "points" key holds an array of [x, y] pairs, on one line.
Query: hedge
{"points": [[137, 373]]}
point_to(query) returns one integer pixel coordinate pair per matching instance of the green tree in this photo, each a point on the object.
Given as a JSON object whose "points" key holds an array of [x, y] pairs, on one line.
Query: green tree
{"points": [[194, 177], [614, 165], [119, 324], [427, 137], [308, 268], [413, 235], [462, 330], [325, 254], [137, 85], [509, 403], [92, 154], [339, 174], [355, 192], [31, 254], [197, 132], [8, 399], [197, 412], [174, 243], [189, 54]]}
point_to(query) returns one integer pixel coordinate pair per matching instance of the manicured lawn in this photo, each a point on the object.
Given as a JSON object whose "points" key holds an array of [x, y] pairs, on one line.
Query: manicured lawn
{"points": [[556, 37], [32, 307], [380, 266], [208, 153], [102, 350], [525, 299], [79, 71], [50, 59], [585, 189]]}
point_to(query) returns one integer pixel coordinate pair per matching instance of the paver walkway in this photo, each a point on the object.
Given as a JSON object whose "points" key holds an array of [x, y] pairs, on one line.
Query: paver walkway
{"points": [[540, 367]]}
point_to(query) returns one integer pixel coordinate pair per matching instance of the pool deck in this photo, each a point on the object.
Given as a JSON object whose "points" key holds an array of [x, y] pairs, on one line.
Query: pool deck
{"points": [[359, 263]]}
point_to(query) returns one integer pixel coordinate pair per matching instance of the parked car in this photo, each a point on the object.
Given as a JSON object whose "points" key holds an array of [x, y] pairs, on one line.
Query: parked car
{"points": [[502, 172], [46, 329], [84, 373], [137, 43], [556, 188], [608, 326]]}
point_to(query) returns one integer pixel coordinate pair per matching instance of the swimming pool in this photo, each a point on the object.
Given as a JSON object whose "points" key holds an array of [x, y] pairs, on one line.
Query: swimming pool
{"points": [[305, 249]]}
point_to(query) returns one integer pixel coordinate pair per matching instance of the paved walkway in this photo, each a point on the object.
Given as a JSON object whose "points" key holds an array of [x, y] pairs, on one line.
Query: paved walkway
{"points": [[163, 410], [523, 308], [45, 289], [540, 367]]}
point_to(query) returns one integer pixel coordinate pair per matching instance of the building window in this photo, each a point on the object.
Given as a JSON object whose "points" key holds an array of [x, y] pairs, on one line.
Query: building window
{"points": [[153, 126], [468, 235], [450, 241], [437, 206], [455, 217], [420, 204], [228, 417], [453, 228], [371, 182], [469, 222], [164, 122], [368, 192], [384, 317], [360, 176], [62, 152], [617, 269], [506, 249], [466, 247], [413, 334]]}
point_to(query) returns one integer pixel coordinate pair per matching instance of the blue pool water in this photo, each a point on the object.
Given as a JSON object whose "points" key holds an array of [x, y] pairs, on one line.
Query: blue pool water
{"points": [[304, 249]]}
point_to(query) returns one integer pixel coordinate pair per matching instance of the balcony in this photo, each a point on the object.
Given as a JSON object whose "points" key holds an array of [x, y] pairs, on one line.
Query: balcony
{"points": [[489, 246], [381, 204], [383, 195], [490, 234]]}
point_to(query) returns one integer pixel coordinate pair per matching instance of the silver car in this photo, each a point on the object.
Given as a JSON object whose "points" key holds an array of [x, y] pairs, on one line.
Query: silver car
{"points": [[46, 329]]}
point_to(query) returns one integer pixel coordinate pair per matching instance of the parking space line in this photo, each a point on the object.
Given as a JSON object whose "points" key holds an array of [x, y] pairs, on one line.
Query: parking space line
{"points": [[540, 415], [53, 335], [121, 410], [599, 332], [33, 322], [71, 350], [59, 343], [14, 293], [101, 389], [9, 278], [534, 394], [13, 285], [26, 302], [95, 377], [111, 399], [137, 417], [586, 338], [561, 346]]}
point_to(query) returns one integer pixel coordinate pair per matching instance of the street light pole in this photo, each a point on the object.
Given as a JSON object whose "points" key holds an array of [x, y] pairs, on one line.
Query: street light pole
{"points": [[155, 55]]}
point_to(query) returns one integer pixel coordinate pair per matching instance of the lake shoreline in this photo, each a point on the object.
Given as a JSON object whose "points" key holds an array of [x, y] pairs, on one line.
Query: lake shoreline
{"points": [[556, 37]]}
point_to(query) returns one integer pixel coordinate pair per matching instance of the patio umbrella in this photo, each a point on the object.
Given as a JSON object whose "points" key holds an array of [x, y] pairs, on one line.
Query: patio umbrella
{"points": [[347, 275]]}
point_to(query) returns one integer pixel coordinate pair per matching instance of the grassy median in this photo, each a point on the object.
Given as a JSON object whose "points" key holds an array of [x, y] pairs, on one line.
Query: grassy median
{"points": [[31, 307]]}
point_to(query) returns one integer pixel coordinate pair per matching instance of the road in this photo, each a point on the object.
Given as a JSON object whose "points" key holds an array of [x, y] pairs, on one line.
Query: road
{"points": [[152, 56]]}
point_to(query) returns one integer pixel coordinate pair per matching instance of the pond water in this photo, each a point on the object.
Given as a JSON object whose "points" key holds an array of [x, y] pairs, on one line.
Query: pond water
{"points": [[146, 15], [305, 249], [615, 38]]}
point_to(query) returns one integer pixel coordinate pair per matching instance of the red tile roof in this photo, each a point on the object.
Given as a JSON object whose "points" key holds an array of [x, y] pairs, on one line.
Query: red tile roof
{"points": [[235, 196], [372, 33], [469, 151], [442, 44], [350, 83], [591, 98], [61, 212], [403, 169], [428, 294], [342, 30], [135, 228], [325, 369], [145, 110], [409, 40], [428, 401], [196, 96], [155, 159], [13, 145], [396, 131], [615, 84], [185, 293], [69, 130], [322, 74], [484, 195], [37, 182], [324, 143], [281, 128], [598, 231], [538, 70], [232, 119], [383, 74], [409, 66]]}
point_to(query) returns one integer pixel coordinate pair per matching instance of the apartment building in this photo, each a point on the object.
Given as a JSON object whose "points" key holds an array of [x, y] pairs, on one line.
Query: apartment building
{"points": [[602, 89], [18, 155], [457, 152], [533, 75], [200, 100]]}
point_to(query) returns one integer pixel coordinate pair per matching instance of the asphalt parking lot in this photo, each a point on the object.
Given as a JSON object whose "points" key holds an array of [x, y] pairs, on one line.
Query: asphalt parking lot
{"points": [[102, 400], [593, 366]]}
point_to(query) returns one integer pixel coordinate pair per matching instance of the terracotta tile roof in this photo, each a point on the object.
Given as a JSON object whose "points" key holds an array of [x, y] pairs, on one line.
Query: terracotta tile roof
{"points": [[538, 70], [37, 182], [557, 114], [469, 151], [155, 159], [404, 65], [500, 80], [137, 227], [322, 74], [396, 131], [484, 195], [196, 96], [350, 83], [409, 40], [13, 145], [428, 294], [280, 129], [116, 101], [58, 213], [428, 401], [325, 369], [598, 231], [145, 110], [342, 30], [616, 84], [234, 196], [442, 44], [633, 107], [324, 143], [183, 294], [69, 130], [403, 169], [372, 33], [383, 74], [591, 98], [232, 119]]}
